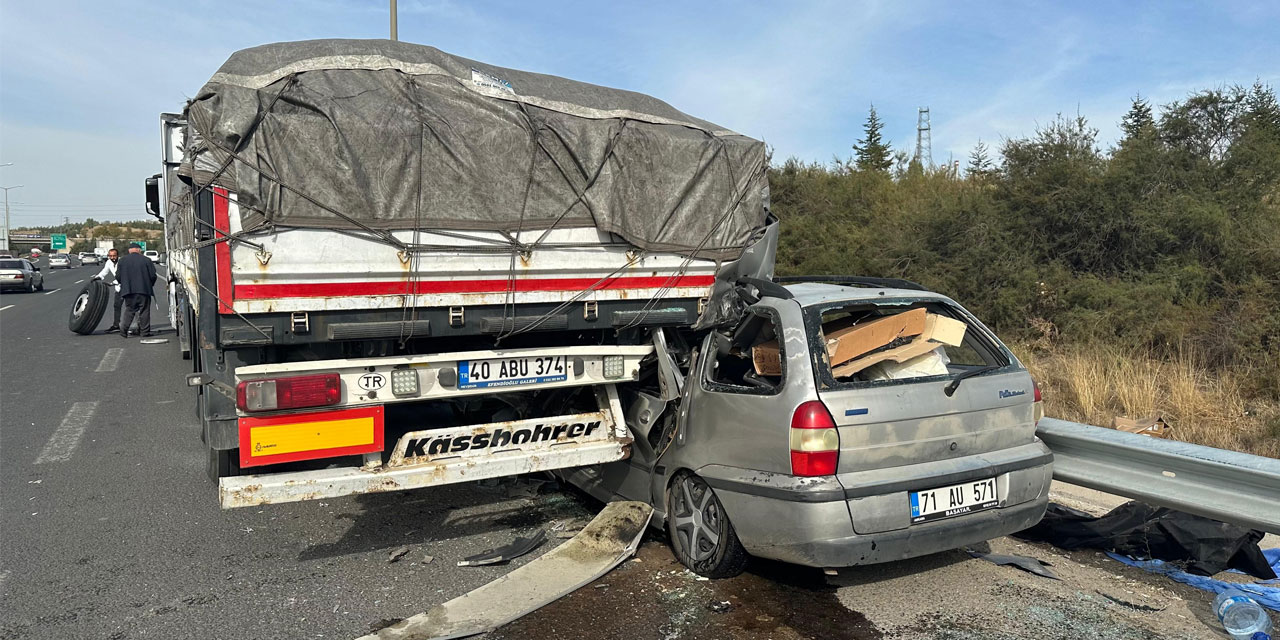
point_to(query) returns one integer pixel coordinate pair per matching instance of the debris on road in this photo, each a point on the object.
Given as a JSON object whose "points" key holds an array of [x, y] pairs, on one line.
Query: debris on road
{"points": [[609, 539], [722, 606], [1140, 530], [1132, 605], [154, 341], [1026, 563], [396, 554], [517, 548], [1266, 592], [427, 559], [1153, 426]]}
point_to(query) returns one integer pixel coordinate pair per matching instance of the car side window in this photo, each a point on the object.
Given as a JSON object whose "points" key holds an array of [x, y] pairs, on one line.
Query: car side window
{"points": [[749, 359]]}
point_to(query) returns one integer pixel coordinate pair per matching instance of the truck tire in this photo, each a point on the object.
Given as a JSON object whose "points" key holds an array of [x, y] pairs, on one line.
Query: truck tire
{"points": [[702, 537], [89, 307]]}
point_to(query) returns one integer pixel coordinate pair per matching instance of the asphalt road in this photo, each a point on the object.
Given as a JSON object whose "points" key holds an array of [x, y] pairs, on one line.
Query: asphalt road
{"points": [[109, 528]]}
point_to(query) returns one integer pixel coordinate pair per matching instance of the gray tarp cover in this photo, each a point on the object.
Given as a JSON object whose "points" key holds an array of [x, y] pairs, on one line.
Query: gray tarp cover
{"points": [[399, 136]]}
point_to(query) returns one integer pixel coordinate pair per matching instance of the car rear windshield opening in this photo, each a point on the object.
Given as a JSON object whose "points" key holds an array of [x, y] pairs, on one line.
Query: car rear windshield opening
{"points": [[867, 344], [10, 264]]}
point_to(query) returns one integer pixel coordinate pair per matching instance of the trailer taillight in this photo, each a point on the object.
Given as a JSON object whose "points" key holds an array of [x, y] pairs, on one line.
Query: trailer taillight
{"points": [[815, 444], [294, 392]]}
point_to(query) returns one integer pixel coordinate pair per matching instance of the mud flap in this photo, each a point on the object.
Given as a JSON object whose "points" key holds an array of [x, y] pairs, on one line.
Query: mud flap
{"points": [[604, 543]]}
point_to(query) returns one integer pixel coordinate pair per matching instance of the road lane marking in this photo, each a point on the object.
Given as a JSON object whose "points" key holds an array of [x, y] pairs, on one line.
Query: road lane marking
{"points": [[7, 306], [66, 438], [49, 293], [78, 281], [110, 361], [4, 577]]}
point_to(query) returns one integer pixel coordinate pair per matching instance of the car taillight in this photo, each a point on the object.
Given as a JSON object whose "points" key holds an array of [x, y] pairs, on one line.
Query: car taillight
{"points": [[295, 392], [815, 444], [1038, 406]]}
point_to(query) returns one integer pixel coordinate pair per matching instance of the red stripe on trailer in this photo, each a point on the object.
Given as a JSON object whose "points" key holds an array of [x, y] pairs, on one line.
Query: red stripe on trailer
{"points": [[222, 250], [400, 287]]}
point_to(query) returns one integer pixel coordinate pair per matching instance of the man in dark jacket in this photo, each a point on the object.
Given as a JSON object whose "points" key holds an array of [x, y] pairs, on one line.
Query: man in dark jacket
{"points": [[137, 277]]}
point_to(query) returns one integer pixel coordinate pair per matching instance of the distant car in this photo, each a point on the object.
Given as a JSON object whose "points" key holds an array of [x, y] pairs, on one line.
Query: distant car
{"points": [[884, 459], [60, 261], [18, 273], [89, 258], [6, 255], [153, 255]]}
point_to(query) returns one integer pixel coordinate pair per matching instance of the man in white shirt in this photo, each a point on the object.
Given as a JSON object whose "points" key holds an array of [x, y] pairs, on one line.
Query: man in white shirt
{"points": [[108, 273]]}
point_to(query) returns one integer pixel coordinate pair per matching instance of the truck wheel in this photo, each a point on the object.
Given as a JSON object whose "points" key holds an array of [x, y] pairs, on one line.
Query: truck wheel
{"points": [[89, 307], [701, 535]]}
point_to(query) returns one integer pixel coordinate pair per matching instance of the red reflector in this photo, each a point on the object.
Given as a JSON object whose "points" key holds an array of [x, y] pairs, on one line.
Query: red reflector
{"points": [[296, 392], [812, 415], [814, 463], [1035, 385]]}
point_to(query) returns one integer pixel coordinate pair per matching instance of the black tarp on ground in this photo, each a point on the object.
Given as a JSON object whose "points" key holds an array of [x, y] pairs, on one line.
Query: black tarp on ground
{"points": [[399, 135], [1204, 546]]}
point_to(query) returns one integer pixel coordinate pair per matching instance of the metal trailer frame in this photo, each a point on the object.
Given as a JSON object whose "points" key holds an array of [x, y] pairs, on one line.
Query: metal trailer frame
{"points": [[404, 471]]}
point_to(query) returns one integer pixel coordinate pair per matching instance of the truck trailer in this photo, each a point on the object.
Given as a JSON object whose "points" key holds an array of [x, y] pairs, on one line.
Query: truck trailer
{"points": [[394, 268]]}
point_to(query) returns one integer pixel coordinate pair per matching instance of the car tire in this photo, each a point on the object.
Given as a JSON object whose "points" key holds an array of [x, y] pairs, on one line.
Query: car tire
{"points": [[89, 307], [40, 287], [702, 537]]}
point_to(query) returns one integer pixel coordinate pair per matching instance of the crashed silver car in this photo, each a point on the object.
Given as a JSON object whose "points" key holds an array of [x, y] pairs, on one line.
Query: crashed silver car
{"points": [[836, 426]]}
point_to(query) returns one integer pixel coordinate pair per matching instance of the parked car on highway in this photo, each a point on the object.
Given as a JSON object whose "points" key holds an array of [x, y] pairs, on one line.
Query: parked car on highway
{"points": [[60, 261], [838, 426], [19, 273], [154, 256]]}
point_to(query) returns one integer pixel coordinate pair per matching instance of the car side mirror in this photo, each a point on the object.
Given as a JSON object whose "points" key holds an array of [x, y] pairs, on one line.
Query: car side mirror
{"points": [[153, 196]]}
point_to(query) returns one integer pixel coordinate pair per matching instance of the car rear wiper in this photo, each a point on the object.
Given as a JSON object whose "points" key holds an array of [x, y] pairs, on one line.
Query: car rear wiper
{"points": [[955, 383]]}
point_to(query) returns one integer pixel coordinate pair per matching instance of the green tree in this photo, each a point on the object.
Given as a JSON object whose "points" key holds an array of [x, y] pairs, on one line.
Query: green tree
{"points": [[1138, 122], [872, 152], [980, 164]]}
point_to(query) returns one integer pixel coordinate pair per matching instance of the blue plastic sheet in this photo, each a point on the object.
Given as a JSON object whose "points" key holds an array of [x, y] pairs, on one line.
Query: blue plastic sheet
{"points": [[1266, 592]]}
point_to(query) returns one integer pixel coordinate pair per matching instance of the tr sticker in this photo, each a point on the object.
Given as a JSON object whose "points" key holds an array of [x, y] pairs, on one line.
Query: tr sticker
{"points": [[372, 381]]}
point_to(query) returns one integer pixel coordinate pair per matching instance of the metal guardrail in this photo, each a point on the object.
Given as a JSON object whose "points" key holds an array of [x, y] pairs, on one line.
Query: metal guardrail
{"points": [[1233, 487]]}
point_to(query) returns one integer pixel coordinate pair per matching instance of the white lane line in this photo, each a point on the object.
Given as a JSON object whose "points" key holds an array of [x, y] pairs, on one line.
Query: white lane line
{"points": [[78, 281], [66, 438], [49, 293], [7, 306], [4, 577], [110, 361]]}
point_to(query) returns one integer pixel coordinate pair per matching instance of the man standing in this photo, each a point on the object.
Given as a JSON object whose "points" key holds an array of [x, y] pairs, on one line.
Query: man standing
{"points": [[108, 273], [137, 277]]}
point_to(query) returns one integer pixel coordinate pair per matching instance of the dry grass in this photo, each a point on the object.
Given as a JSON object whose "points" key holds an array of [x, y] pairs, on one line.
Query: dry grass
{"points": [[1095, 384]]}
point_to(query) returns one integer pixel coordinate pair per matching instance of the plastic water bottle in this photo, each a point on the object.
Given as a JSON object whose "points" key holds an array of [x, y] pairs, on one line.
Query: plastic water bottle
{"points": [[1243, 618]]}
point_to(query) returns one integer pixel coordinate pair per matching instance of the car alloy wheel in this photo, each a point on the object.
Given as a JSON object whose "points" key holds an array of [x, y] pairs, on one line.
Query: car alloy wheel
{"points": [[701, 535]]}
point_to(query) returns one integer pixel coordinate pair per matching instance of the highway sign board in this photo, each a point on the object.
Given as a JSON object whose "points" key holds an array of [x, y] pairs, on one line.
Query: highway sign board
{"points": [[58, 241]]}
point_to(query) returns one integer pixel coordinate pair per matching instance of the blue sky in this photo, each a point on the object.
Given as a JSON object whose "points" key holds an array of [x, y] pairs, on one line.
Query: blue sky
{"points": [[81, 83]]}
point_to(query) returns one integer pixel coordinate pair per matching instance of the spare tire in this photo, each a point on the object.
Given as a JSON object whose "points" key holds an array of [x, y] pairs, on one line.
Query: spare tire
{"points": [[89, 307]]}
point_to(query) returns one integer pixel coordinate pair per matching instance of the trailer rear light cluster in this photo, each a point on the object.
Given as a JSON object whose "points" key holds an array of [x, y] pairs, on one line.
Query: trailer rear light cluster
{"points": [[404, 383], [613, 367], [815, 443], [293, 392]]}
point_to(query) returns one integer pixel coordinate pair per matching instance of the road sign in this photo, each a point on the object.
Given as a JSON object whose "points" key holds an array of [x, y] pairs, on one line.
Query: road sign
{"points": [[142, 243], [58, 240]]}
